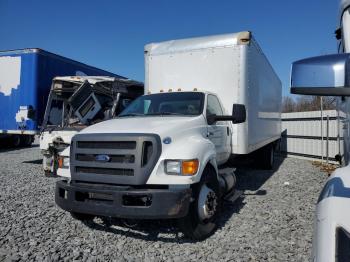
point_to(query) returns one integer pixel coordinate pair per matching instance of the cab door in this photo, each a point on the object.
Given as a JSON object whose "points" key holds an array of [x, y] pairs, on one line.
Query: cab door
{"points": [[218, 132]]}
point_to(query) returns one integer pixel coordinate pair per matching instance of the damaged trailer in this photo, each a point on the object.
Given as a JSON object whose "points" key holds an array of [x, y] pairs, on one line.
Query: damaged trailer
{"points": [[75, 103], [25, 79]]}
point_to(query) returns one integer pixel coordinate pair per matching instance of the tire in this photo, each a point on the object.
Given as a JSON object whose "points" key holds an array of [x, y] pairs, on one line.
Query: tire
{"points": [[201, 220], [81, 216], [267, 157], [26, 140], [16, 140]]}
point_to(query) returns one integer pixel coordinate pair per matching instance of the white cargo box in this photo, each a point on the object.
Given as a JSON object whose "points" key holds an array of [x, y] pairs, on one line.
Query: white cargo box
{"points": [[231, 66]]}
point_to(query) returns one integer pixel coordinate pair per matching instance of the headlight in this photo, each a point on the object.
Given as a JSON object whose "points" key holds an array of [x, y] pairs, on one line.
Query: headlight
{"points": [[63, 162], [181, 167], [173, 167]]}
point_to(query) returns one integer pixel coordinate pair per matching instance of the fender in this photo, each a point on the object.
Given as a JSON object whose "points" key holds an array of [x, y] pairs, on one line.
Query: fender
{"points": [[193, 147]]}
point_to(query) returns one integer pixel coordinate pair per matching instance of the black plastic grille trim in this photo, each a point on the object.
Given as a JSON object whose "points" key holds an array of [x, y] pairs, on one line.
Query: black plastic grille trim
{"points": [[130, 158], [113, 158], [105, 171], [107, 144]]}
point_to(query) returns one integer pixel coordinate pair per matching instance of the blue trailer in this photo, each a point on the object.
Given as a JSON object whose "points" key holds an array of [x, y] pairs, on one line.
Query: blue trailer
{"points": [[25, 81]]}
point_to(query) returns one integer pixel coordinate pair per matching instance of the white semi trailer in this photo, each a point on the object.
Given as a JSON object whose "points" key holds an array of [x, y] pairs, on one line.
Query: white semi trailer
{"points": [[208, 98], [329, 76]]}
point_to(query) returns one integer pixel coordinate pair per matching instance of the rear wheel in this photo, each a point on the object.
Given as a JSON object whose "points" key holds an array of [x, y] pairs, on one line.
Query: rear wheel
{"points": [[81, 216], [26, 140], [16, 140], [201, 220]]}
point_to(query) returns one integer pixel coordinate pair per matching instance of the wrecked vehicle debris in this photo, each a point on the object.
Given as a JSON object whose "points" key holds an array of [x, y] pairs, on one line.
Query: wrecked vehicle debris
{"points": [[75, 103]]}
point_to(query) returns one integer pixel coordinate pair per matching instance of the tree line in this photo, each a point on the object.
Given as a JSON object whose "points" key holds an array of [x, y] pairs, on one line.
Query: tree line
{"points": [[307, 103]]}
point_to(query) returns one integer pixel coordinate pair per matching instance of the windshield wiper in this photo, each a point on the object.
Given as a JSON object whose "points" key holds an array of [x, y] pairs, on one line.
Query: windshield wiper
{"points": [[131, 114]]}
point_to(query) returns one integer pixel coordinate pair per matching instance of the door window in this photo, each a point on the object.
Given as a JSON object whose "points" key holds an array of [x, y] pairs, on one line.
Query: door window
{"points": [[213, 106]]}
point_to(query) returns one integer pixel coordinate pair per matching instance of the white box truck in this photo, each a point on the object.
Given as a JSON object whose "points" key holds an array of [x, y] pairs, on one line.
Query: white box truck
{"points": [[208, 98]]}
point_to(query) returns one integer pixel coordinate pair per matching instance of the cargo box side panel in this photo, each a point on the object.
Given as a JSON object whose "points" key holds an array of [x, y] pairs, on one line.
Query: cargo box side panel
{"points": [[211, 69], [50, 66], [17, 92], [264, 100], [219, 70]]}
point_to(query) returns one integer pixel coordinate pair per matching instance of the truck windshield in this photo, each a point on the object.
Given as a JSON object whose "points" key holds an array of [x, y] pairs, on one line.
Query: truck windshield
{"points": [[179, 103]]}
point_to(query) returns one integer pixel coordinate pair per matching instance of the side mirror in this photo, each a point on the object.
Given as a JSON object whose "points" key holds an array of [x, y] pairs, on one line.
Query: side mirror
{"points": [[238, 115], [321, 76]]}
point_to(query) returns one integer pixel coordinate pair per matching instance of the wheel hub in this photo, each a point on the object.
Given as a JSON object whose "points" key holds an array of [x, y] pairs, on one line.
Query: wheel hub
{"points": [[207, 203]]}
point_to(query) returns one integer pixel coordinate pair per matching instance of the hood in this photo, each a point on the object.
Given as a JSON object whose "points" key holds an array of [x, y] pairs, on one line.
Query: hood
{"points": [[161, 125]]}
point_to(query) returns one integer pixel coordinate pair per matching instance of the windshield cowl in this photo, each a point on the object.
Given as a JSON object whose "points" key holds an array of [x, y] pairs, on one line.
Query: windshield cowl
{"points": [[154, 114]]}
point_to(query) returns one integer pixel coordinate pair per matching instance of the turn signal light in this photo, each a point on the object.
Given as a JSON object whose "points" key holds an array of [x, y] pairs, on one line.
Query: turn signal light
{"points": [[60, 162], [190, 167], [63, 162]]}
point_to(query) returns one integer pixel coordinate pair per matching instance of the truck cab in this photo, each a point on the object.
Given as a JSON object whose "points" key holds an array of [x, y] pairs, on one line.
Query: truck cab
{"points": [[329, 76], [159, 159]]}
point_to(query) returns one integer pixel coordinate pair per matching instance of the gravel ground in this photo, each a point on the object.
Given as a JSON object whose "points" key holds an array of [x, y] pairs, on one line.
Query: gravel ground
{"points": [[271, 221]]}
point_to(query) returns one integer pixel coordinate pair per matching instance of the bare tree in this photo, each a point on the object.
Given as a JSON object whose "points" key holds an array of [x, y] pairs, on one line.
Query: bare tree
{"points": [[288, 104], [307, 103]]}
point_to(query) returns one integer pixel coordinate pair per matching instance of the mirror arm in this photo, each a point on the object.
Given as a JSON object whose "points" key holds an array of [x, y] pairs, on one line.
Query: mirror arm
{"points": [[223, 118]]}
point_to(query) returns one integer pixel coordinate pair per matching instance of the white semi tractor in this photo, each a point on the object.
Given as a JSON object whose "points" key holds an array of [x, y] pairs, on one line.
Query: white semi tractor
{"points": [[208, 98], [329, 76]]}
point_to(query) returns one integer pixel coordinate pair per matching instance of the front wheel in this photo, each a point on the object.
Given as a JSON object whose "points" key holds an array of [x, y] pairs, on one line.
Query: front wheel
{"points": [[201, 220]]}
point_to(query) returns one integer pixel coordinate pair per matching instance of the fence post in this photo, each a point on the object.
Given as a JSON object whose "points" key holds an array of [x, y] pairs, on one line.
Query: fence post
{"points": [[338, 130], [321, 101], [327, 145]]}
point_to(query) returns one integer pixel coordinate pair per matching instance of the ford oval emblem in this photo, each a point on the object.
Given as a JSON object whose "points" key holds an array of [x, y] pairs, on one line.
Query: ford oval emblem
{"points": [[167, 140], [102, 158]]}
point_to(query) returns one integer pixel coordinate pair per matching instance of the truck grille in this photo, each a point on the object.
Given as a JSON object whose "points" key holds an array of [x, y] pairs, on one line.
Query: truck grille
{"points": [[114, 158]]}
